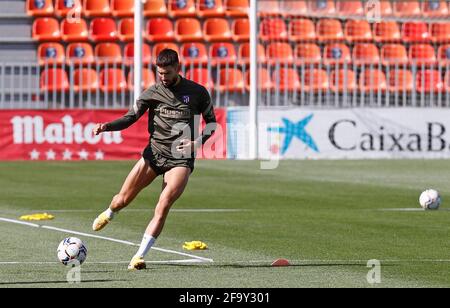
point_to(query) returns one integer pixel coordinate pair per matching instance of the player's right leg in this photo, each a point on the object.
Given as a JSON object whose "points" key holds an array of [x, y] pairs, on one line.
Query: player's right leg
{"points": [[139, 177]]}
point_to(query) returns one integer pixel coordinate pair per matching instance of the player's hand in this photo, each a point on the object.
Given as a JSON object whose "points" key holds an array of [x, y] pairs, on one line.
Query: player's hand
{"points": [[186, 146], [99, 128]]}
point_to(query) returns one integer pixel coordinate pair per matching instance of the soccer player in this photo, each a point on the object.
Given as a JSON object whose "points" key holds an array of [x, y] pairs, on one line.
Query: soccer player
{"points": [[174, 105]]}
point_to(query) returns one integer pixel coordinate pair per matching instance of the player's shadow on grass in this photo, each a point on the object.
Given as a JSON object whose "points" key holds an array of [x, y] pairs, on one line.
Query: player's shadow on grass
{"points": [[58, 282]]}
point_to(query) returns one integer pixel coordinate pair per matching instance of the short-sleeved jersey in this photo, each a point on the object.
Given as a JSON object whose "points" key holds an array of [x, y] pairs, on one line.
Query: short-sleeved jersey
{"points": [[174, 114]]}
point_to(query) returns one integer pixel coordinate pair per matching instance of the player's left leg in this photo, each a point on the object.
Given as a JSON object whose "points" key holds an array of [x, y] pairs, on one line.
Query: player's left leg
{"points": [[175, 182]]}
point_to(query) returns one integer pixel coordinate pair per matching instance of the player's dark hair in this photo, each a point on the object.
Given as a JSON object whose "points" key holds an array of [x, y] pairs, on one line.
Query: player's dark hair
{"points": [[167, 57]]}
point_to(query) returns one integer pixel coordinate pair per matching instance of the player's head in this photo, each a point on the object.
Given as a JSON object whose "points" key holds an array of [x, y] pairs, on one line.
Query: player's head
{"points": [[168, 67]]}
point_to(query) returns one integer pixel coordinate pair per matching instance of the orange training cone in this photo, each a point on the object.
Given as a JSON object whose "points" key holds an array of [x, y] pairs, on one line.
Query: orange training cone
{"points": [[280, 262]]}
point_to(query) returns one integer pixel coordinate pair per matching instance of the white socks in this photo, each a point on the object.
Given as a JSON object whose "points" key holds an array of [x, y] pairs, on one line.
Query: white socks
{"points": [[109, 214], [146, 244]]}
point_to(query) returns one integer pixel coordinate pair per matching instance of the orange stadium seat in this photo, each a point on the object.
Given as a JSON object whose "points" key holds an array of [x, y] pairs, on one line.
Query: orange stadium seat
{"points": [[80, 54], [264, 80], [269, 8], [372, 80], [329, 30], [216, 29], [112, 80], [74, 32], [349, 8], [406, 8], [314, 80], [236, 8], [343, 80], [96, 8], [358, 31], [280, 52], [85, 80], [155, 8], [444, 55], [336, 53], [201, 76], [126, 29], [286, 79], [222, 54], [46, 29], [244, 54], [54, 79], [65, 8], [294, 8], [103, 29], [157, 48], [231, 80], [181, 8], [159, 29], [429, 81], [307, 54], [415, 32], [122, 8], [435, 8], [386, 31], [366, 54], [241, 30], [148, 79], [422, 54], [440, 32], [273, 29], [302, 30], [40, 7], [128, 53], [51, 54], [188, 30], [394, 54], [401, 80], [108, 54], [322, 7], [210, 8], [193, 54]]}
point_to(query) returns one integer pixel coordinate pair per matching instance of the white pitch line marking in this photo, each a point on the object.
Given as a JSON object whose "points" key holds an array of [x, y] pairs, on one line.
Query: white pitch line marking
{"points": [[101, 237], [410, 210], [105, 262], [150, 209]]}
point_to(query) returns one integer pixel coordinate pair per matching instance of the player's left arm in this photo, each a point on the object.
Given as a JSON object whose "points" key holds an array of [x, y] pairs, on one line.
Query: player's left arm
{"points": [[210, 119]]}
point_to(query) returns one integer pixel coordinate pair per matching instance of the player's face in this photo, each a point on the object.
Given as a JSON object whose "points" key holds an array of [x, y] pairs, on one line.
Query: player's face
{"points": [[168, 74]]}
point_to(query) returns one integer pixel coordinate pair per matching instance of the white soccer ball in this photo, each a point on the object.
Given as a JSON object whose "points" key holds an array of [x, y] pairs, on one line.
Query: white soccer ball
{"points": [[72, 250], [430, 199]]}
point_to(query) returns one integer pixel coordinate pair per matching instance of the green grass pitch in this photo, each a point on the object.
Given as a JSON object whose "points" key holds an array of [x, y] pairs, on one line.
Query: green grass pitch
{"points": [[327, 217]]}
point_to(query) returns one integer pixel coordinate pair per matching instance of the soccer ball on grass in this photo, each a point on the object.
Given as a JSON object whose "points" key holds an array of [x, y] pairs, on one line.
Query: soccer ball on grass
{"points": [[72, 250], [430, 199]]}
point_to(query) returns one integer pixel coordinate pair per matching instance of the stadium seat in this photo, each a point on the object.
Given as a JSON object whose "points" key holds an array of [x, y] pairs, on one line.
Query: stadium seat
{"points": [[201, 76], [435, 8], [159, 29], [428, 81], [406, 8], [157, 48], [80, 54], [155, 8], [75, 31], [329, 30], [231, 80], [108, 54], [193, 54], [39, 7], [126, 29], [216, 29], [394, 54], [244, 54], [65, 8], [372, 80], [122, 8], [343, 80], [148, 79], [422, 54], [269, 8], [294, 8], [280, 53], [222, 54], [236, 8], [96, 8], [46, 29], [273, 29], [349, 8], [241, 30], [286, 79], [444, 55], [128, 53], [210, 8], [322, 7], [336, 54], [358, 31], [54, 80], [50, 54], [181, 8], [85, 80], [447, 82], [264, 80], [188, 30], [440, 32], [401, 80], [386, 31], [307, 54], [302, 30], [415, 32], [314, 80], [103, 29], [112, 80], [366, 54]]}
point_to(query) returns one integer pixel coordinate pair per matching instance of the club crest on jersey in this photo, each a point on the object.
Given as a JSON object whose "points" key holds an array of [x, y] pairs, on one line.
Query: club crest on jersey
{"points": [[186, 99]]}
